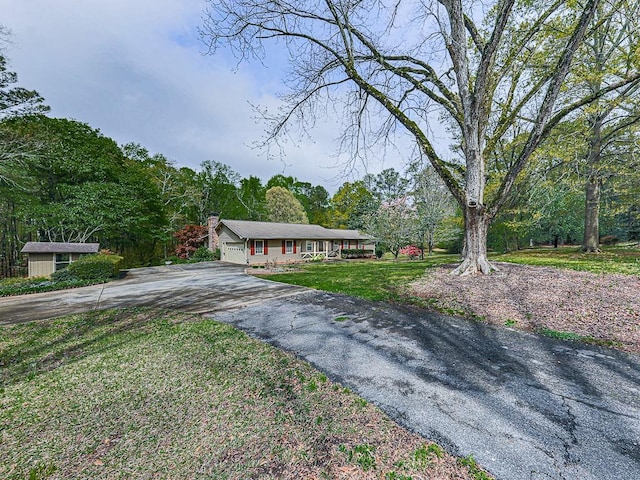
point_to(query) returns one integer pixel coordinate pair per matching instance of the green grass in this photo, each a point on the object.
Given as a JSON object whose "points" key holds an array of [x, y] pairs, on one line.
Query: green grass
{"points": [[619, 259], [370, 279], [384, 279], [548, 332], [141, 393], [474, 469]]}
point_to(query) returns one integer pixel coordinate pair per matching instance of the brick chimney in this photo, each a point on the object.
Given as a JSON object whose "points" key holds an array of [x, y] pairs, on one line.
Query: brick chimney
{"points": [[212, 223]]}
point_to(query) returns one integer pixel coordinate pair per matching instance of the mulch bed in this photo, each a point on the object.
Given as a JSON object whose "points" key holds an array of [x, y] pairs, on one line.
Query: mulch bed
{"points": [[605, 307]]}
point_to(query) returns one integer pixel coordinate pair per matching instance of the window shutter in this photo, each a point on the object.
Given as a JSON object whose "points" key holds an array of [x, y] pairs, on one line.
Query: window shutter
{"points": [[253, 247], [294, 246], [266, 247], [342, 244], [284, 248]]}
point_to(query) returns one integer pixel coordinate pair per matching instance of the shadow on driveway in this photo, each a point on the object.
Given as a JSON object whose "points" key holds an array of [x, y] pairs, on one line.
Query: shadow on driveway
{"points": [[525, 406]]}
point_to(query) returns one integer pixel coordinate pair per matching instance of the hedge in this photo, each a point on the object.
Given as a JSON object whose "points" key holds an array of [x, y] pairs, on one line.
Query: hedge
{"points": [[357, 253], [95, 267]]}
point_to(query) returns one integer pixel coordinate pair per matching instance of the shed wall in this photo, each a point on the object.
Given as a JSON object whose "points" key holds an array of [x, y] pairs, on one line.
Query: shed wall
{"points": [[41, 264]]}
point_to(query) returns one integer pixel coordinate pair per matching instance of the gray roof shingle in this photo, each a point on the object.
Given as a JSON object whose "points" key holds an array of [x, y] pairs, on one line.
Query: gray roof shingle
{"points": [[60, 247], [272, 231]]}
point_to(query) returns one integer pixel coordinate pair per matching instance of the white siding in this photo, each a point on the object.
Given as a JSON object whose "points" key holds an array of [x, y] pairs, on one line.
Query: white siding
{"points": [[41, 264], [233, 252]]}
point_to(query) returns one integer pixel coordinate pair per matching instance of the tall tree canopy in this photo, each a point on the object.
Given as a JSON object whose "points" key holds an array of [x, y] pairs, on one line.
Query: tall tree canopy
{"points": [[350, 204], [609, 125], [283, 207], [81, 187], [489, 73]]}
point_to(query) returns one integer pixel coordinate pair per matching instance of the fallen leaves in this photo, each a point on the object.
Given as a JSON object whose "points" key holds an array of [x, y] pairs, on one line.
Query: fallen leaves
{"points": [[603, 306]]}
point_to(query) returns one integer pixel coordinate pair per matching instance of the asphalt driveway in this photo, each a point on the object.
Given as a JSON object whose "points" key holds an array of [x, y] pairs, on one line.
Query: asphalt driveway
{"points": [[526, 407]]}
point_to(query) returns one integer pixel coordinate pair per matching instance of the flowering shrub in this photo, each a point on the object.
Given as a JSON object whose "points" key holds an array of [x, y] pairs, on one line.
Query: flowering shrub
{"points": [[411, 251]]}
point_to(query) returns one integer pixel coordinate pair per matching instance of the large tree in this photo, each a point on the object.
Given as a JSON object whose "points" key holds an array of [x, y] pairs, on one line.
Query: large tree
{"points": [[392, 224], [218, 185], [608, 124], [283, 207], [489, 72], [251, 195], [314, 199], [15, 101], [387, 185], [350, 204], [81, 188]]}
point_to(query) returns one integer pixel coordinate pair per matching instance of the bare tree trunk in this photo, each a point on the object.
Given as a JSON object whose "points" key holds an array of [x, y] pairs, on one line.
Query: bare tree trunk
{"points": [[591, 239], [474, 255]]}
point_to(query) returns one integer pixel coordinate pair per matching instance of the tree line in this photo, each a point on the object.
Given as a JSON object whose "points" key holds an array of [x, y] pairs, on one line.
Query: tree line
{"points": [[542, 104], [65, 181]]}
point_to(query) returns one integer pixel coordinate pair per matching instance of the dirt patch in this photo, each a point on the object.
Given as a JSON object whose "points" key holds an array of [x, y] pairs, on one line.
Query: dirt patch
{"points": [[602, 306]]}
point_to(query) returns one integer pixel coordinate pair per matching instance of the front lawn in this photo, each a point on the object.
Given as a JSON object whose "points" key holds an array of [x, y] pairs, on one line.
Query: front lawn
{"points": [[141, 393], [619, 259], [370, 279], [385, 279]]}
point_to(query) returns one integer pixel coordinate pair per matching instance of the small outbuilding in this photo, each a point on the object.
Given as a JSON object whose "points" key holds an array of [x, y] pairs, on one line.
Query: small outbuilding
{"points": [[48, 257]]}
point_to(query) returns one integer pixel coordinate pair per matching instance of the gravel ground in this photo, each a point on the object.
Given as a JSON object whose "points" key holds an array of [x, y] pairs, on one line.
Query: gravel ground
{"points": [[602, 306]]}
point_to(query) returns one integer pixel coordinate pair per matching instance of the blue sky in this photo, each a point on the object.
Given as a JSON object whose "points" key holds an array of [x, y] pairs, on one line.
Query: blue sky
{"points": [[136, 70]]}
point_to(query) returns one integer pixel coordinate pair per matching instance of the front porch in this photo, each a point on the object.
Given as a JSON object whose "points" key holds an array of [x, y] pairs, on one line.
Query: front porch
{"points": [[328, 249]]}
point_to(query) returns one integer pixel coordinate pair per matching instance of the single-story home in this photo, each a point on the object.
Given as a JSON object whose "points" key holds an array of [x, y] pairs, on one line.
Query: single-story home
{"points": [[48, 257], [247, 243]]}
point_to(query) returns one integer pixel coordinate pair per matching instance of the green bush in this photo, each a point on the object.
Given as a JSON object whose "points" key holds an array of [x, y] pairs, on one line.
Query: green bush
{"points": [[451, 246], [202, 254], [95, 267], [356, 253], [20, 286], [63, 275]]}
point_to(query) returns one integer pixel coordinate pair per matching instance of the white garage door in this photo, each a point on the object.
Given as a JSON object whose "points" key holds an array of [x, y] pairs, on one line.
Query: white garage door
{"points": [[234, 253]]}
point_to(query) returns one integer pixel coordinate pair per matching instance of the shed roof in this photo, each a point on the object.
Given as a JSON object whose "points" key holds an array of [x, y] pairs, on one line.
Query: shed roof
{"points": [[60, 247], [271, 231]]}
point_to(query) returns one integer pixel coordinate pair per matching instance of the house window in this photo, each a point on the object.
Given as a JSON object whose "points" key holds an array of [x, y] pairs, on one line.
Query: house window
{"points": [[62, 261], [288, 246], [259, 247], [309, 246]]}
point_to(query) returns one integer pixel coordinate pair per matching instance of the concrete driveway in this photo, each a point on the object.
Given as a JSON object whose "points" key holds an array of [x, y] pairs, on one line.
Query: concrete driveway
{"points": [[200, 288], [526, 407]]}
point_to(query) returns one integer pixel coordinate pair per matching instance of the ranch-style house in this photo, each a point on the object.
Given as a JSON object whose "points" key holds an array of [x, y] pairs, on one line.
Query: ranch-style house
{"points": [[248, 243]]}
